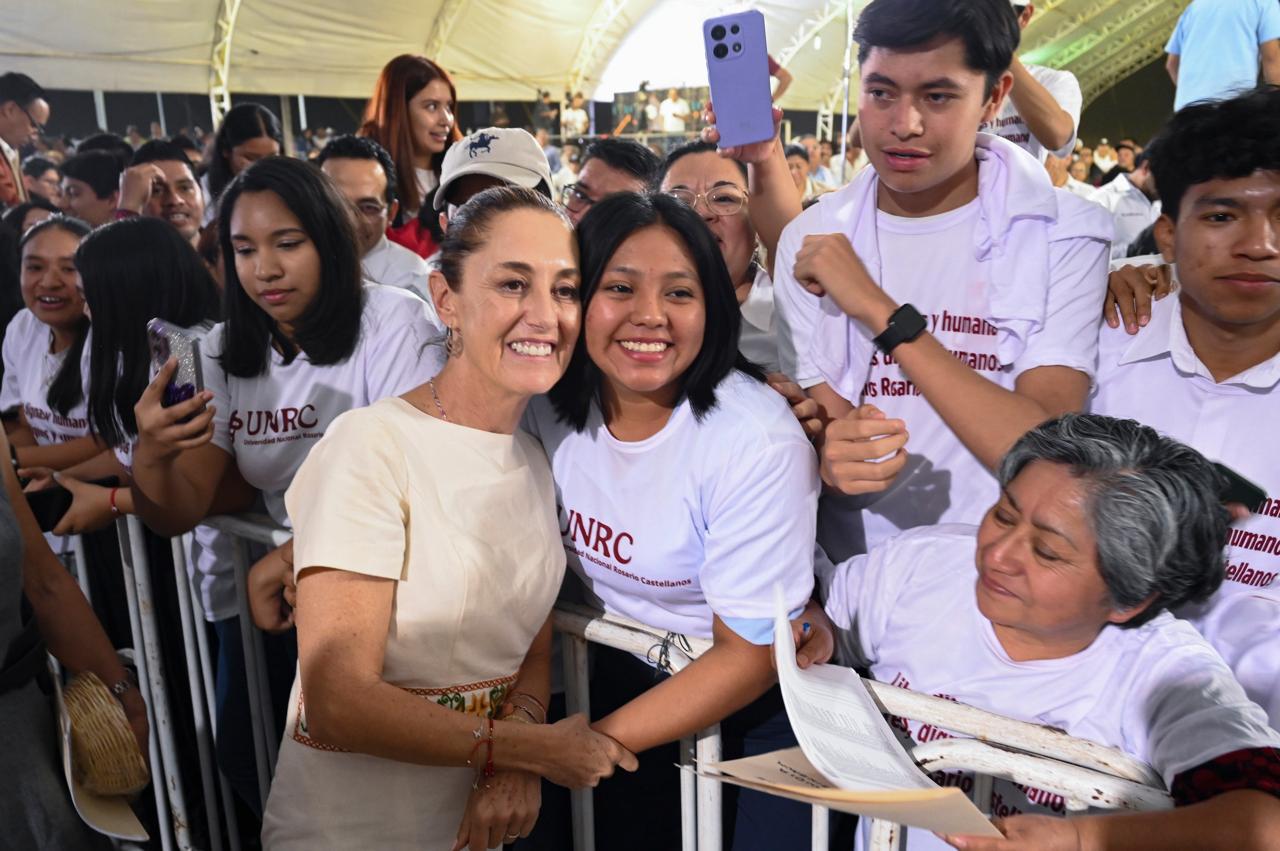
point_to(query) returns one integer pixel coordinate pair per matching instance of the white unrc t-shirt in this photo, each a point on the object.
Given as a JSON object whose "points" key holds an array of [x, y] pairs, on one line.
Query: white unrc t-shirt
{"points": [[1065, 90], [930, 263], [29, 370], [1156, 378], [1158, 692], [702, 518], [269, 423]]}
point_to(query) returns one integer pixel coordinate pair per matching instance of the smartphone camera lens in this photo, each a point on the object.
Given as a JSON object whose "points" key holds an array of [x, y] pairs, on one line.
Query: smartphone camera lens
{"points": [[737, 47], [720, 51], [735, 29], [717, 32]]}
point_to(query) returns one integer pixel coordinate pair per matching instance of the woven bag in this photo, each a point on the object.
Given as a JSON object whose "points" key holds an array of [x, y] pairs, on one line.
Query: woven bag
{"points": [[104, 752]]}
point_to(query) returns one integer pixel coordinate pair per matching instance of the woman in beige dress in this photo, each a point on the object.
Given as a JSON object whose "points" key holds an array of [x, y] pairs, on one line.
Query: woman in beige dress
{"points": [[427, 557]]}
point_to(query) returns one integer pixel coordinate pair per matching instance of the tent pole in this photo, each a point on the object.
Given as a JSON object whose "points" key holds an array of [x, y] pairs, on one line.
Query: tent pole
{"points": [[847, 71], [100, 109]]}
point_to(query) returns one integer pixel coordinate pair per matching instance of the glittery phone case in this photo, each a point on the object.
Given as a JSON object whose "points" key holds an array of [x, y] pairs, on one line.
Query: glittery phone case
{"points": [[168, 341]]}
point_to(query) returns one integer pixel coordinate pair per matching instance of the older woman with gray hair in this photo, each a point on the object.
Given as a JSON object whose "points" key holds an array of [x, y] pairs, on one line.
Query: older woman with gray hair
{"points": [[1054, 610]]}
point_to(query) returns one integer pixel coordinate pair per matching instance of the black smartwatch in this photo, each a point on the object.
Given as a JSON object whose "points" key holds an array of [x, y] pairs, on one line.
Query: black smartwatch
{"points": [[905, 325]]}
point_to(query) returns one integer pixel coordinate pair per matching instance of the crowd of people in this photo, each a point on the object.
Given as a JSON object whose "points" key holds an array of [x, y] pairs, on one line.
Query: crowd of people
{"points": [[929, 395]]}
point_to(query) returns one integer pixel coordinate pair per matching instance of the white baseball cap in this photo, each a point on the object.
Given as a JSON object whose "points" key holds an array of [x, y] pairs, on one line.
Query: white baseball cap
{"points": [[509, 154]]}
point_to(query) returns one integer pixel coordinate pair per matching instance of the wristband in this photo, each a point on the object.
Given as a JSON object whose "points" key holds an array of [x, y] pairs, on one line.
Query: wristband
{"points": [[13, 456], [905, 325], [115, 510]]}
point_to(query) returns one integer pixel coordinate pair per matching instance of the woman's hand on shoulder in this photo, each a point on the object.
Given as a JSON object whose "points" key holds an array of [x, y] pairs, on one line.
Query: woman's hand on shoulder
{"points": [[163, 432], [580, 757], [500, 810], [806, 411]]}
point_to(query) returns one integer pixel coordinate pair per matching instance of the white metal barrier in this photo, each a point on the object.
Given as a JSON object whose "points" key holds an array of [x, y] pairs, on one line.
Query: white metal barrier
{"points": [[1086, 774]]}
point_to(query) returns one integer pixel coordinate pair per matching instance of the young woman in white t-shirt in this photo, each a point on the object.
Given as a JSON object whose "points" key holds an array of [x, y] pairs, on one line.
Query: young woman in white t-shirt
{"points": [[45, 353], [1101, 527], [687, 492], [304, 341]]}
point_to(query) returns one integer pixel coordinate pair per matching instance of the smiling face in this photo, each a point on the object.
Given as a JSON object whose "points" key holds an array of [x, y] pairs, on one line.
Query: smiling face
{"points": [[431, 118], [276, 261], [177, 199], [717, 180], [1226, 244], [1038, 577], [919, 114], [517, 309], [250, 151], [50, 282], [645, 323]]}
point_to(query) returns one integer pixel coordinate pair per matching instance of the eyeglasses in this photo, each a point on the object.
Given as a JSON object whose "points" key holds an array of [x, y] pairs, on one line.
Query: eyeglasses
{"points": [[720, 201], [35, 125], [575, 199]]}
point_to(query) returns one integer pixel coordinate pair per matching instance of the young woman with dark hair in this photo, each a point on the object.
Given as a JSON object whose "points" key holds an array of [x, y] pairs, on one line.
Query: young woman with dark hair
{"points": [[303, 341], [248, 132], [709, 501], [411, 114], [22, 217], [45, 352]]}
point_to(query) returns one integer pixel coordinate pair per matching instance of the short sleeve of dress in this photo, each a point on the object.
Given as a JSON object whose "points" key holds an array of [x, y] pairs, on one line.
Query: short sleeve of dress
{"points": [[349, 500]]}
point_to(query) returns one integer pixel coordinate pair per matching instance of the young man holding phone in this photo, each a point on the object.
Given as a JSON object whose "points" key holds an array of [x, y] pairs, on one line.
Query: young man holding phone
{"points": [[949, 290], [1206, 368]]}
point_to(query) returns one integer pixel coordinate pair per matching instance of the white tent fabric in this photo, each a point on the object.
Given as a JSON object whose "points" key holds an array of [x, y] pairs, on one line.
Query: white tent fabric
{"points": [[494, 48]]}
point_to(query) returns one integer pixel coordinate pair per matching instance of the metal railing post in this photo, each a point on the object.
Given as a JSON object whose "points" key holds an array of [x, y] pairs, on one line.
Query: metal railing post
{"points": [[577, 695], [710, 809]]}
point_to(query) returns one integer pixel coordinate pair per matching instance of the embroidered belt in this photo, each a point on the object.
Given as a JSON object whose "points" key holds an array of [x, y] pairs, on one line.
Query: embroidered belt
{"points": [[481, 699]]}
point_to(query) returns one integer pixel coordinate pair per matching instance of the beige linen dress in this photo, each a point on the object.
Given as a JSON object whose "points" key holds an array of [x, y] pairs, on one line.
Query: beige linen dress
{"points": [[465, 522]]}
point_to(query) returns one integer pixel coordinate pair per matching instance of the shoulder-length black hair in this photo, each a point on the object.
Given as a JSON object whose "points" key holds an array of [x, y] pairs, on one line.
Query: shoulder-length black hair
{"points": [[67, 390], [329, 328], [601, 232], [240, 124], [133, 271]]}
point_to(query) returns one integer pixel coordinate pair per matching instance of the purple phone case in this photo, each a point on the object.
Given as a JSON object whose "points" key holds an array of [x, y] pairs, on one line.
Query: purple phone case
{"points": [[740, 89]]}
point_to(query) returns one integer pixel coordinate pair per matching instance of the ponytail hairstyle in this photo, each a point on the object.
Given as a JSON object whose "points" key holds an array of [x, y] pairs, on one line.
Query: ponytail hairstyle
{"points": [[132, 271], [67, 390]]}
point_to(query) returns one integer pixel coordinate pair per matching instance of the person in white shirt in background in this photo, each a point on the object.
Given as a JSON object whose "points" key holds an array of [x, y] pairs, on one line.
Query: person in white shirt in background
{"points": [[1059, 169], [1042, 112], [575, 122], [664, 520], [1005, 274], [1053, 611], [570, 165], [674, 112], [494, 156], [800, 164], [1133, 201], [365, 174], [1205, 367]]}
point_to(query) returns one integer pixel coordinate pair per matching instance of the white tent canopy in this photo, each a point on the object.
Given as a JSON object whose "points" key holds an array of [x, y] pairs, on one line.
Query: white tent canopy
{"points": [[495, 49]]}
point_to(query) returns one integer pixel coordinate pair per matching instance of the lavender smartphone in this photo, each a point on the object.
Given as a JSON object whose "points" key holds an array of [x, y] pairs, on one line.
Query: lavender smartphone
{"points": [[738, 68], [168, 341]]}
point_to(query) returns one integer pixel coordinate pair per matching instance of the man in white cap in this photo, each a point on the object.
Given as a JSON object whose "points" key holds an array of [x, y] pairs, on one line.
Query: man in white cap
{"points": [[1042, 112], [494, 156]]}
